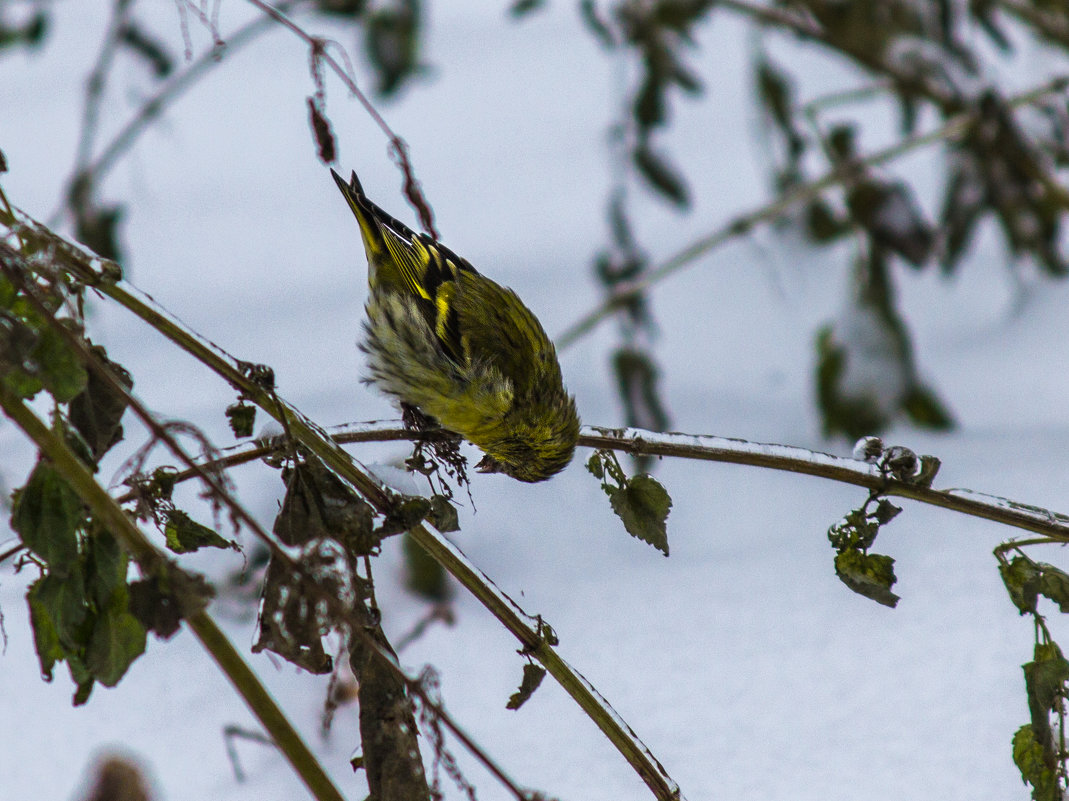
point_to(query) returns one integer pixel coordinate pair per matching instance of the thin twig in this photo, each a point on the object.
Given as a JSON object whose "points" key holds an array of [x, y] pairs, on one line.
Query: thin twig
{"points": [[858, 94], [804, 26], [637, 442], [14, 549], [398, 147], [96, 83], [1017, 545], [836, 468], [208, 20], [150, 109], [1046, 24]]}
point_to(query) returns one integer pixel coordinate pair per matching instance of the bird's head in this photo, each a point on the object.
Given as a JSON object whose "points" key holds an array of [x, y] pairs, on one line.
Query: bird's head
{"points": [[537, 445]]}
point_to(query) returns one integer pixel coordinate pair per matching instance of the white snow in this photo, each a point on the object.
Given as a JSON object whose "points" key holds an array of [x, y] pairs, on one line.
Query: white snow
{"points": [[741, 662]]}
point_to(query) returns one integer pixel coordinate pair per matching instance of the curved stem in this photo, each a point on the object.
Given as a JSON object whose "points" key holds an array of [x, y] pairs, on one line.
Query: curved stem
{"points": [[837, 468], [638, 442], [537, 640]]}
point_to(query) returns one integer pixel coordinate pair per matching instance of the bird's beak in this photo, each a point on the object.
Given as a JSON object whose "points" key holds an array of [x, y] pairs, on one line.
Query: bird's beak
{"points": [[488, 464]]}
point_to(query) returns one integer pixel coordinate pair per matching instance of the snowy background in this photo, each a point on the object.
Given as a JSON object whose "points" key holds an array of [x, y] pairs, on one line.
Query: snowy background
{"points": [[741, 661]]}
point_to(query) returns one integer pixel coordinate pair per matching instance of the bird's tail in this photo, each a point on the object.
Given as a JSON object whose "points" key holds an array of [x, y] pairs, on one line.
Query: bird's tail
{"points": [[367, 214], [390, 244]]}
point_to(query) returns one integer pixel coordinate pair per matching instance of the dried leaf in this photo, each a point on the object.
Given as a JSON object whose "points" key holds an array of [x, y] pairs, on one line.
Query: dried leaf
{"points": [[532, 678]]}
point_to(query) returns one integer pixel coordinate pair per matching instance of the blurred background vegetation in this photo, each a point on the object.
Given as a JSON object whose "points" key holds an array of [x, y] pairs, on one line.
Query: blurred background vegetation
{"points": [[952, 72], [951, 64]]}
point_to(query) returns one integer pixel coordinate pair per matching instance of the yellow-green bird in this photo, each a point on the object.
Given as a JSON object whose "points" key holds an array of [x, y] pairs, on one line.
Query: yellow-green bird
{"points": [[462, 349]]}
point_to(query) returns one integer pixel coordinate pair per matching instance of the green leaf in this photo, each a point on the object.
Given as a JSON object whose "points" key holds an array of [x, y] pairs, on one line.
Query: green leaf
{"points": [[963, 206], [161, 485], [148, 46], [31, 34], [58, 365], [856, 531], [776, 93], [520, 8], [21, 383], [686, 80], [97, 226], [649, 102], [841, 143], [588, 12], [643, 505], [640, 502], [185, 535], [636, 384], [443, 515], [886, 511], [680, 15], [423, 575], [97, 410], [117, 640], [595, 466], [1054, 584], [1021, 576], [661, 176], [107, 570], [47, 515], [61, 601], [81, 695], [392, 42], [319, 505], [822, 224], [45, 635], [854, 417], [1031, 759], [532, 677], [18, 337], [604, 465], [1045, 678], [345, 10], [924, 408], [868, 574], [160, 601], [242, 417], [80, 674], [7, 293]]}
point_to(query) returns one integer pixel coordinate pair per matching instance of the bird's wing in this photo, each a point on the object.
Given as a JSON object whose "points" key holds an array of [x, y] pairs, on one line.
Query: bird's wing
{"points": [[497, 329]]}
